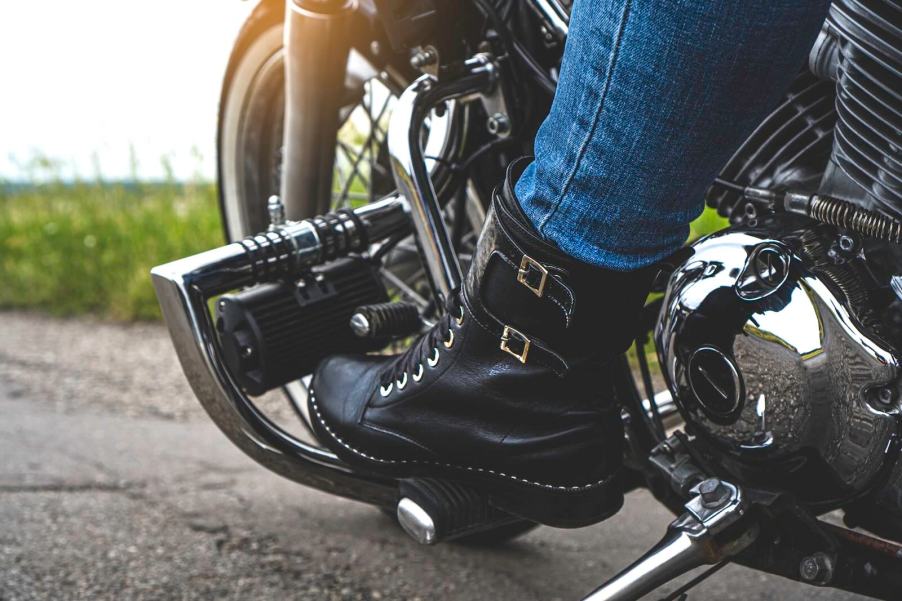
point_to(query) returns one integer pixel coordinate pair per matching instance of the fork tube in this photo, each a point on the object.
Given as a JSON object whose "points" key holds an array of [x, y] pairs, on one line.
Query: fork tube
{"points": [[317, 43]]}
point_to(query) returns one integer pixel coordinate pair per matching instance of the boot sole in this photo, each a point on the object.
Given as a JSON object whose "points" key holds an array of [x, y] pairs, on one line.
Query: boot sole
{"points": [[550, 505]]}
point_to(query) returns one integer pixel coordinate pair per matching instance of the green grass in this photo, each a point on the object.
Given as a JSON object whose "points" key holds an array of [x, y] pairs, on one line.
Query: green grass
{"points": [[88, 248], [72, 249]]}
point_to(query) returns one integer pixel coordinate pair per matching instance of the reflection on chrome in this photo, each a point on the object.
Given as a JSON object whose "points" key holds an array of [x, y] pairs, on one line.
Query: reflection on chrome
{"points": [[788, 372]]}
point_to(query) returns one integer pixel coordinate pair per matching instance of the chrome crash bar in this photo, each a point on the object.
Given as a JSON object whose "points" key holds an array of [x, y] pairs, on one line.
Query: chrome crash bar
{"points": [[186, 286]]}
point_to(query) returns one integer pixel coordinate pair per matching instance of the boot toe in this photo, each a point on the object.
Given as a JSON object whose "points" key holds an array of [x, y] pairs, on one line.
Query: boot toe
{"points": [[341, 387]]}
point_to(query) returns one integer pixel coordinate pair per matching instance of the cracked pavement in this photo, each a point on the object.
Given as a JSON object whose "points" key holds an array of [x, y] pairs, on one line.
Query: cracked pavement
{"points": [[114, 485]]}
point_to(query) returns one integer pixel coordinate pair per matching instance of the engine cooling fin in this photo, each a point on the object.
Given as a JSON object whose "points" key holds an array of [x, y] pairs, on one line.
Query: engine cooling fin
{"points": [[788, 150], [868, 144]]}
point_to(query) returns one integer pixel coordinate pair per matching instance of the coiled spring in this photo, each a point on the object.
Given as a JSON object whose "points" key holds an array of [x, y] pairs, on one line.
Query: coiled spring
{"points": [[855, 219]]}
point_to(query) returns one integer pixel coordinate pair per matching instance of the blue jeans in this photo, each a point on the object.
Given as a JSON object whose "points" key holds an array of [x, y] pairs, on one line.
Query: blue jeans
{"points": [[654, 97]]}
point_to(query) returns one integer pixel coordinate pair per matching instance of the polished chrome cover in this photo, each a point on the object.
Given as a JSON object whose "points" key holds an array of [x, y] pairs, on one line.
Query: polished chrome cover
{"points": [[769, 359], [416, 521]]}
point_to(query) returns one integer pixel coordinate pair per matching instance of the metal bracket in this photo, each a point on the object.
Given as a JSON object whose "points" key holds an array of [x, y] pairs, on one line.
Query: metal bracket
{"points": [[702, 535]]}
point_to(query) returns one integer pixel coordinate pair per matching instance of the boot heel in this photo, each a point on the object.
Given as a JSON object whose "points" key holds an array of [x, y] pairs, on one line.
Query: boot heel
{"points": [[432, 510]]}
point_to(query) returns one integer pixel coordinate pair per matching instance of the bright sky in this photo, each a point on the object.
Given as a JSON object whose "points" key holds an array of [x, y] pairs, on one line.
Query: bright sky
{"points": [[83, 80]]}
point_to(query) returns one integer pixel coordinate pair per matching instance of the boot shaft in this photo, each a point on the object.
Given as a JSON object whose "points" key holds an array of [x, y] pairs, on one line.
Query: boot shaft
{"points": [[542, 301]]}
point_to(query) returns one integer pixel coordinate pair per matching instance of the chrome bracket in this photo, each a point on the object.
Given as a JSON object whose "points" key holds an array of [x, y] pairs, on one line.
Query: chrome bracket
{"points": [[709, 532]]}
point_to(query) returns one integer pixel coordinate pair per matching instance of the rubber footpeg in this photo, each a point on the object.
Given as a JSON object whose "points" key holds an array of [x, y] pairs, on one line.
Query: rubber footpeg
{"points": [[436, 510]]}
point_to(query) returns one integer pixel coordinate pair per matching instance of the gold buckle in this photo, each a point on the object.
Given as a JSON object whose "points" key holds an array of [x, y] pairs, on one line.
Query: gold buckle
{"points": [[510, 333], [525, 263]]}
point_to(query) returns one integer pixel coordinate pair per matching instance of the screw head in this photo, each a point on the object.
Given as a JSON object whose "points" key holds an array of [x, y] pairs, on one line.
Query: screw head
{"points": [[816, 568], [499, 124], [846, 243]]}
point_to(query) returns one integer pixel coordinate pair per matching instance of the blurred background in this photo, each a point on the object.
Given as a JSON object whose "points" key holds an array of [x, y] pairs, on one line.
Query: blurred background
{"points": [[107, 147]]}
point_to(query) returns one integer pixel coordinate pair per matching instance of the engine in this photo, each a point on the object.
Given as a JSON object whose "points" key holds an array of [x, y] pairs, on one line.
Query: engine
{"points": [[774, 355], [779, 336]]}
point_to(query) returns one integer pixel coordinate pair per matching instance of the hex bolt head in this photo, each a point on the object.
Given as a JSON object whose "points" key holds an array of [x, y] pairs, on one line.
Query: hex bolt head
{"points": [[816, 568], [713, 493], [499, 124], [846, 243], [886, 396]]}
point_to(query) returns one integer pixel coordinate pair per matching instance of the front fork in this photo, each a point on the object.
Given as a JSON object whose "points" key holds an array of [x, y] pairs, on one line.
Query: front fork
{"points": [[317, 43]]}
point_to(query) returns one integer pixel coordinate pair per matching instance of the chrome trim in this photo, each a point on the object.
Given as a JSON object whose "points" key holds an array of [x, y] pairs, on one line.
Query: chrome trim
{"points": [[555, 16], [416, 521], [410, 166], [795, 391]]}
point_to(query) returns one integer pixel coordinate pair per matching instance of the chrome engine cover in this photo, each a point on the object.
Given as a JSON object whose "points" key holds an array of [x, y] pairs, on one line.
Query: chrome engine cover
{"points": [[774, 368]]}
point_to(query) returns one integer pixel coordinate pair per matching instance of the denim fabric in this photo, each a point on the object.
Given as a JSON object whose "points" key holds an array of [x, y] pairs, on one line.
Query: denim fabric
{"points": [[654, 97]]}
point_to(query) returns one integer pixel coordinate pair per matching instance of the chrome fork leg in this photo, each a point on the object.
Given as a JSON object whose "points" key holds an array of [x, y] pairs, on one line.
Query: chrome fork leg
{"points": [[317, 43], [711, 531]]}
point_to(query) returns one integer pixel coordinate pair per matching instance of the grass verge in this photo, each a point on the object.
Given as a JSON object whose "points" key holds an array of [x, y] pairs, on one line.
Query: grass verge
{"points": [[72, 249], [88, 248]]}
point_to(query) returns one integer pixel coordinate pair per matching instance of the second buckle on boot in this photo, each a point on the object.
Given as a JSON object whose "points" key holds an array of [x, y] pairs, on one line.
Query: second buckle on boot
{"points": [[525, 277], [510, 334]]}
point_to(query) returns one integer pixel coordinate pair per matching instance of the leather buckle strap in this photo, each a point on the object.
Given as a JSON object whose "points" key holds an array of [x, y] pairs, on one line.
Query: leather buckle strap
{"points": [[526, 276], [510, 334]]}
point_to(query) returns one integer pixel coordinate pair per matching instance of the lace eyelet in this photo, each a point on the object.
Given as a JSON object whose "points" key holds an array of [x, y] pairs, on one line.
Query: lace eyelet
{"points": [[433, 361], [419, 373], [402, 382], [386, 390], [450, 342], [460, 320]]}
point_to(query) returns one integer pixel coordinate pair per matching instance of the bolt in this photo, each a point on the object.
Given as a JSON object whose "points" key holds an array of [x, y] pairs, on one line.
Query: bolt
{"points": [[846, 243], [870, 570], [375, 48], [816, 568], [499, 124], [246, 351], [713, 493], [276, 211], [423, 58], [547, 35]]}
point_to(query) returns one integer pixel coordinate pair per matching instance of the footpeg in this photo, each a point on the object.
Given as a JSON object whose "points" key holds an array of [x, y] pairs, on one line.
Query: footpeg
{"points": [[431, 511], [710, 531]]}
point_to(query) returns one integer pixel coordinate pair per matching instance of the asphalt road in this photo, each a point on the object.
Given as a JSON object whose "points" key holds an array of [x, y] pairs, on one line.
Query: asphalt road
{"points": [[114, 485]]}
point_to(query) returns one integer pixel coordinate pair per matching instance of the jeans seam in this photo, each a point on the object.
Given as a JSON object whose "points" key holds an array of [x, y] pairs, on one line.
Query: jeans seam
{"points": [[581, 153]]}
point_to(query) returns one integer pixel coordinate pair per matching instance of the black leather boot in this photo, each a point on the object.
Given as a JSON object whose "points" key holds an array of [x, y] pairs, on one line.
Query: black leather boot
{"points": [[509, 391]]}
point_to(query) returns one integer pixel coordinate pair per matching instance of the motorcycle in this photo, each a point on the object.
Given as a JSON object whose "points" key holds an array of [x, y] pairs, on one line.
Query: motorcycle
{"points": [[356, 142]]}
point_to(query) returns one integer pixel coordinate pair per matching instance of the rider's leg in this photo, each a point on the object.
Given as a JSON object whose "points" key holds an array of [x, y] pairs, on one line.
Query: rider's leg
{"points": [[653, 99], [510, 389]]}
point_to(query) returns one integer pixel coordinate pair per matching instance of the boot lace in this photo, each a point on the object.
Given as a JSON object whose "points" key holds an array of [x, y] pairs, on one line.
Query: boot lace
{"points": [[426, 351]]}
